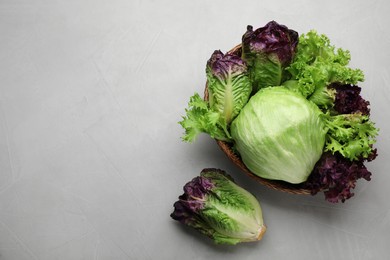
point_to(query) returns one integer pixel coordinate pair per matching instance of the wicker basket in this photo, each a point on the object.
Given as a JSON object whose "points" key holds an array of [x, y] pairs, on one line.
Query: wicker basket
{"points": [[235, 158]]}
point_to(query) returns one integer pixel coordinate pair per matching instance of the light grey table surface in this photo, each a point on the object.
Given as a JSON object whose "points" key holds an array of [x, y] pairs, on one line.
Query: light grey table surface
{"points": [[91, 159]]}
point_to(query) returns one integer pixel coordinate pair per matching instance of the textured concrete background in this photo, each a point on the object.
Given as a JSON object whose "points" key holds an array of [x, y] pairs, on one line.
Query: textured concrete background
{"points": [[91, 159]]}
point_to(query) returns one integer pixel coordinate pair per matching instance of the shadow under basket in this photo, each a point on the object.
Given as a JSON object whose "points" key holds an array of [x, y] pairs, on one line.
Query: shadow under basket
{"points": [[235, 158]]}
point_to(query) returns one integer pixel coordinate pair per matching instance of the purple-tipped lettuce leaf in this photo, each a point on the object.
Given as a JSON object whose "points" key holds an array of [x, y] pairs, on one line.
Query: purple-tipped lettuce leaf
{"points": [[218, 208], [228, 84], [268, 51], [229, 89]]}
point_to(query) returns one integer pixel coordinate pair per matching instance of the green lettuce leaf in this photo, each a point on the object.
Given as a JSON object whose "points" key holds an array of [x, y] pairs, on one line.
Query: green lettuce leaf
{"points": [[316, 65], [268, 50], [228, 84], [229, 89], [217, 207], [351, 135], [201, 119]]}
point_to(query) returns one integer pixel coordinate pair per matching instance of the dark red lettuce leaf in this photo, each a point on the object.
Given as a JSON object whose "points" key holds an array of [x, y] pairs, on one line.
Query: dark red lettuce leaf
{"points": [[348, 100], [337, 176]]}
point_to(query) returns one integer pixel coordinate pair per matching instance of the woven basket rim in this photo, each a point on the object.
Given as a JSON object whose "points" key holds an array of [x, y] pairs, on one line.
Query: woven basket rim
{"points": [[235, 158]]}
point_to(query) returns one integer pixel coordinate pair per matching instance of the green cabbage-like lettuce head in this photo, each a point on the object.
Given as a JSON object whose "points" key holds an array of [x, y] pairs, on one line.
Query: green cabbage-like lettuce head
{"points": [[279, 135]]}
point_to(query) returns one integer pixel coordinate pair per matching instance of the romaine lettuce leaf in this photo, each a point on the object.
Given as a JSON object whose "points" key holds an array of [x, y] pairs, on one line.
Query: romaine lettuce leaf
{"points": [[268, 50], [228, 84], [229, 89]]}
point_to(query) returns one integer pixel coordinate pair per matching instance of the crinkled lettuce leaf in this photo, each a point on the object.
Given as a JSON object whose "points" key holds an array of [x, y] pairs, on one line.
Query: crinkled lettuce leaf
{"points": [[201, 119], [217, 207], [228, 84], [229, 89], [268, 50], [316, 65], [351, 135]]}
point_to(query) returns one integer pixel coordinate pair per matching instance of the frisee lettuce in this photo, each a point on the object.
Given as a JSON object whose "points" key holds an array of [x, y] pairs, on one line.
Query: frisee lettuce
{"points": [[351, 135], [316, 65], [200, 118]]}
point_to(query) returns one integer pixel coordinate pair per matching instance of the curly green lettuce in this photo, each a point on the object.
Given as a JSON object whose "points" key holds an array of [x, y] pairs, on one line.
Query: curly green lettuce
{"points": [[201, 119], [316, 65], [351, 135]]}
